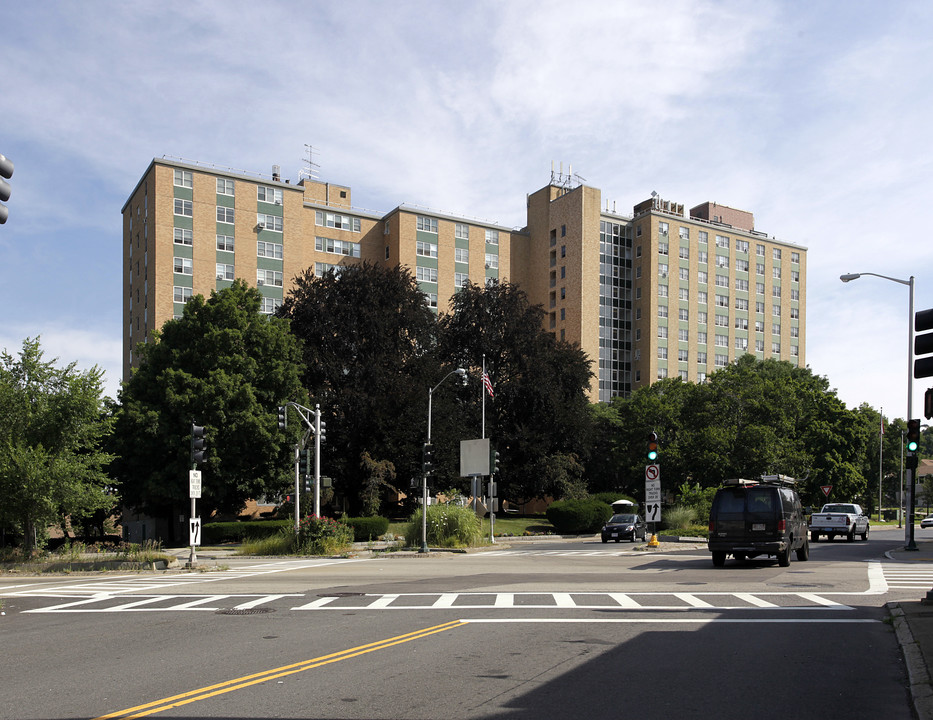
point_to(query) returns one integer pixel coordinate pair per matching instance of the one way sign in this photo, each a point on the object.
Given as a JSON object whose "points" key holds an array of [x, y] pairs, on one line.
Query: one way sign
{"points": [[194, 531]]}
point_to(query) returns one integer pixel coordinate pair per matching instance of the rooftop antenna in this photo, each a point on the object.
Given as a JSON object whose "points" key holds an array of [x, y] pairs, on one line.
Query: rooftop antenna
{"points": [[312, 168]]}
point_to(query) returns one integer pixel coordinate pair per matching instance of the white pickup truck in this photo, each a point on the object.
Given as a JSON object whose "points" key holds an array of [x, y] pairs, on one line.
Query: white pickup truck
{"points": [[839, 519]]}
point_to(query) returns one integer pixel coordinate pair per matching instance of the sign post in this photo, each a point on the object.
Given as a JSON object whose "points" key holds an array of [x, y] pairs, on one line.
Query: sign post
{"points": [[652, 494], [194, 527]]}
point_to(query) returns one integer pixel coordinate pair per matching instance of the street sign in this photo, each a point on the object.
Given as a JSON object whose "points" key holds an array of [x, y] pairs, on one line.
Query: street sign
{"points": [[194, 484], [653, 493], [826, 489], [194, 531], [652, 472], [653, 512]]}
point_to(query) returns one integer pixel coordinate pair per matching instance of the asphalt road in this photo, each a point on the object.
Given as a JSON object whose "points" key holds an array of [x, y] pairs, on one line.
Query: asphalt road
{"points": [[555, 629]]}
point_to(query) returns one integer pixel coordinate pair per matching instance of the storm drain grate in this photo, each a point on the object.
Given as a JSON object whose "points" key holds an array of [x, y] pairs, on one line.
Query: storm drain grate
{"points": [[243, 611]]}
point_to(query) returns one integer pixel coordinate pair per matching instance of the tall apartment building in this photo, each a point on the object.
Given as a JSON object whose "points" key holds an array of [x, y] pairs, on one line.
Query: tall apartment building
{"points": [[652, 295]]}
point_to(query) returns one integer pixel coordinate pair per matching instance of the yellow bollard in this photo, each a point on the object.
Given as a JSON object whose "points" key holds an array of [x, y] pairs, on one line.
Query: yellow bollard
{"points": [[653, 542]]}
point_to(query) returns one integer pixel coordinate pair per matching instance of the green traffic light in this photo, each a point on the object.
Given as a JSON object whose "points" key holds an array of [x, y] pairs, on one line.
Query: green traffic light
{"points": [[652, 455], [912, 446]]}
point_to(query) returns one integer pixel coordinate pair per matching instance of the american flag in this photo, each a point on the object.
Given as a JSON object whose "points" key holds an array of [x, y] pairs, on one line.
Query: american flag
{"points": [[487, 383]]}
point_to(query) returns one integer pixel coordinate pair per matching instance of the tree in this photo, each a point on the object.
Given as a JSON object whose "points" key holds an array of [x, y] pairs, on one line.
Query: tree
{"points": [[540, 408], [225, 366], [369, 338], [53, 422]]}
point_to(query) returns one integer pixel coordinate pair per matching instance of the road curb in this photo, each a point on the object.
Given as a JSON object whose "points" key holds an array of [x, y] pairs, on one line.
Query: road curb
{"points": [[918, 675]]}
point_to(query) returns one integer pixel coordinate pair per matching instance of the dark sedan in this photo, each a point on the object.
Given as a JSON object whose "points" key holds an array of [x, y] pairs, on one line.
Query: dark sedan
{"points": [[624, 527]]}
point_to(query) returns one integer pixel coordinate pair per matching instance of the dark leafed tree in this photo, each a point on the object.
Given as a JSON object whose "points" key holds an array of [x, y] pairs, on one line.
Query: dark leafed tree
{"points": [[369, 357], [53, 423], [540, 408], [223, 365]]}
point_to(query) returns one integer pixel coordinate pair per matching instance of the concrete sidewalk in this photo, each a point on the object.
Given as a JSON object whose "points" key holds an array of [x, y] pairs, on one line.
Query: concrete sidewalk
{"points": [[913, 623]]}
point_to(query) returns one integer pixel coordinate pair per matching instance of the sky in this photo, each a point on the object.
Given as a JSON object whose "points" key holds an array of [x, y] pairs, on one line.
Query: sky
{"points": [[814, 116]]}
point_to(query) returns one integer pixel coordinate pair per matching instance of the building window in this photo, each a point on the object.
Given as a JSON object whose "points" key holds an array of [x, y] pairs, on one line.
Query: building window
{"points": [[775, 328], [701, 358], [426, 249], [722, 301], [683, 356], [461, 279], [662, 353], [662, 373], [741, 285], [462, 231], [182, 237], [225, 243], [759, 268], [269, 194], [702, 277], [269, 305], [759, 326], [721, 360], [181, 294], [431, 299], [269, 250], [683, 335], [184, 207], [760, 288], [683, 314], [795, 276], [701, 318], [776, 310], [722, 340], [776, 272], [662, 270], [741, 304], [741, 343], [224, 214], [760, 250], [662, 290], [794, 331], [794, 313], [741, 323], [741, 265], [701, 338], [795, 257], [722, 320], [684, 233], [702, 257], [776, 253], [759, 346], [426, 224], [684, 253], [775, 348], [341, 222], [492, 263], [662, 332], [722, 261], [183, 265], [703, 236], [461, 255], [271, 277], [663, 228], [722, 241], [184, 178], [225, 271], [492, 237], [337, 247], [684, 294], [269, 222], [426, 274], [563, 251], [224, 186], [722, 281], [662, 248], [684, 274], [662, 311], [776, 291], [741, 245]]}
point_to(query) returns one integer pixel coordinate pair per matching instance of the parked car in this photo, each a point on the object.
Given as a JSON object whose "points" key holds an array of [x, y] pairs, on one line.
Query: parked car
{"points": [[625, 526], [927, 521], [758, 517]]}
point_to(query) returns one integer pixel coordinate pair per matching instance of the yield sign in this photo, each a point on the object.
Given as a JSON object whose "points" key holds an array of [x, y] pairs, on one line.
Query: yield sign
{"points": [[826, 489]]}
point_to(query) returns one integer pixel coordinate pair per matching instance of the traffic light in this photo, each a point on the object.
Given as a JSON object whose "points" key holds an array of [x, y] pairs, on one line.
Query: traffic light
{"points": [[197, 444], [281, 417], [6, 171], [304, 463], [427, 459], [652, 447], [928, 404], [913, 444], [923, 344], [322, 430], [493, 461]]}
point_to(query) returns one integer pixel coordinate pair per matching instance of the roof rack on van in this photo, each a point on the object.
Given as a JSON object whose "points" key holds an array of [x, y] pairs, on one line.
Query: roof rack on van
{"points": [[739, 481], [786, 480]]}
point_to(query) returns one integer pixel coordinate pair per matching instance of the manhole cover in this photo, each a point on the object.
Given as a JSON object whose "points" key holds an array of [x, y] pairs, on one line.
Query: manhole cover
{"points": [[243, 611]]}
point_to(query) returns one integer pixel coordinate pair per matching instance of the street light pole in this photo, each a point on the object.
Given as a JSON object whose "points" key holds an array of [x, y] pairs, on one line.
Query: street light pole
{"points": [[424, 476], [909, 527]]}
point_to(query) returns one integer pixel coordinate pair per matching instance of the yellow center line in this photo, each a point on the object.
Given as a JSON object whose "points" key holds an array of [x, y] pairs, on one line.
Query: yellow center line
{"points": [[238, 683]]}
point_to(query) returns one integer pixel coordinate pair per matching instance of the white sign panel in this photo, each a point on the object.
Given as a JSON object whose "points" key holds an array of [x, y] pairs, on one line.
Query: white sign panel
{"points": [[194, 531], [653, 512], [194, 484], [652, 493]]}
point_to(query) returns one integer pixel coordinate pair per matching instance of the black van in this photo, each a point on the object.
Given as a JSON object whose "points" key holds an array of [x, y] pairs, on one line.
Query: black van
{"points": [[758, 517]]}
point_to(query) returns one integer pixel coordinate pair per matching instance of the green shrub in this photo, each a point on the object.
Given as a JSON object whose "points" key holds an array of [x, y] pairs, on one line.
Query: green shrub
{"points": [[236, 531], [578, 517], [366, 529], [680, 516], [448, 526], [322, 536]]}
